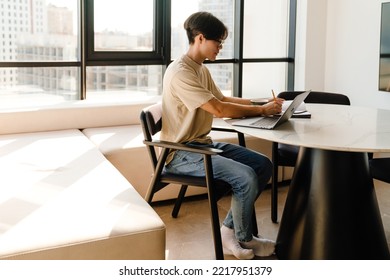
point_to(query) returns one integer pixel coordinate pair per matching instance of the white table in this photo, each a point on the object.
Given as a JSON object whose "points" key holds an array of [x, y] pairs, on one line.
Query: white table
{"points": [[331, 211]]}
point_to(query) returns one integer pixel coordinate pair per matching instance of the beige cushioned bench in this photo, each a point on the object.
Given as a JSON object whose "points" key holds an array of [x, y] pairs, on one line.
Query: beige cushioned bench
{"points": [[60, 198]]}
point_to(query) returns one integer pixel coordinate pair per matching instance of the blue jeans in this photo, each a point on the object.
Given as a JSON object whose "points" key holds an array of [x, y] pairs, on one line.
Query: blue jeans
{"points": [[246, 171]]}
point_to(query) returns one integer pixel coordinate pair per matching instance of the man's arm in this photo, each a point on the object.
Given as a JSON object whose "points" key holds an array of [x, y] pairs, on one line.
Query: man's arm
{"points": [[234, 107], [237, 100]]}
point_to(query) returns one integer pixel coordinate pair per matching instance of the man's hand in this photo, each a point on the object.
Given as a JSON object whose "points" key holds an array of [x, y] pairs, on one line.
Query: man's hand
{"points": [[273, 107]]}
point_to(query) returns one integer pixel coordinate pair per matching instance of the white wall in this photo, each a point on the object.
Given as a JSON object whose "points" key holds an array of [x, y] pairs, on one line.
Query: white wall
{"points": [[338, 49]]}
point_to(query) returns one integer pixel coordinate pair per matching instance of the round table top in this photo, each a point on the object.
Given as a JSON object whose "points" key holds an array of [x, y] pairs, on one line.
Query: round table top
{"points": [[332, 127]]}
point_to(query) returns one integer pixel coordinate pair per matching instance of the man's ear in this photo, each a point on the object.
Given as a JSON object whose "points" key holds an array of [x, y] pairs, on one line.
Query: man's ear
{"points": [[201, 38]]}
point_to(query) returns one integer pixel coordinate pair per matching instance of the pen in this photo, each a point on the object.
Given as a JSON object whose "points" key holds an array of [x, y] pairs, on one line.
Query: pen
{"points": [[273, 94]]}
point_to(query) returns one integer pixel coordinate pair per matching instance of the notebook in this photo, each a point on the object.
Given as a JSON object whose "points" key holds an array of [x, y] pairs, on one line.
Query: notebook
{"points": [[300, 112], [272, 122]]}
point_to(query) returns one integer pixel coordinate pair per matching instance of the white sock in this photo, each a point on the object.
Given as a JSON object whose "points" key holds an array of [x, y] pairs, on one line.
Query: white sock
{"points": [[261, 247], [232, 247]]}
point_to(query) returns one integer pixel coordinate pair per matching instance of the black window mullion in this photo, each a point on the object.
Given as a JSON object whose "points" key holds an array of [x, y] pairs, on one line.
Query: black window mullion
{"points": [[238, 47], [83, 41], [165, 30], [291, 45]]}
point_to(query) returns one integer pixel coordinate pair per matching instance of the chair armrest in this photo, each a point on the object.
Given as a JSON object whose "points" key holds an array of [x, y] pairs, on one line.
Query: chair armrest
{"points": [[240, 135], [183, 147], [225, 129]]}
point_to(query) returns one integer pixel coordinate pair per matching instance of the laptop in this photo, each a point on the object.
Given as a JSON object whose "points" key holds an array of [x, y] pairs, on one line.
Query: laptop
{"points": [[272, 122]]}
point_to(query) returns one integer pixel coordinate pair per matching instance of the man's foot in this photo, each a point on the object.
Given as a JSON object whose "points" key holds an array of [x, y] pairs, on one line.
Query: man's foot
{"points": [[261, 247], [232, 247]]}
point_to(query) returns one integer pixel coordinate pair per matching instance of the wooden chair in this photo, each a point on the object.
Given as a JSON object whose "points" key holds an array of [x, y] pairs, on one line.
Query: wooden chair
{"points": [[151, 121], [380, 169]]}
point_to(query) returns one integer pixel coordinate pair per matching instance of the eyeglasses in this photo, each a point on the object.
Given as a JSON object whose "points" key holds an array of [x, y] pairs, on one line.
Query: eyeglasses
{"points": [[220, 42]]}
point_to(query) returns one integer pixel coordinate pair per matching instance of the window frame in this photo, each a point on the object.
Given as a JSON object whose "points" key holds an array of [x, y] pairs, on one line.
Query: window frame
{"points": [[239, 50], [102, 58]]}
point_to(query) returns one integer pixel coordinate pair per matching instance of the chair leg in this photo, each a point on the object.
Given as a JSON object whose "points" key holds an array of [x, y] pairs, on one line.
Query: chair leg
{"points": [[155, 178], [241, 139], [274, 185], [213, 209], [274, 197], [179, 201], [216, 230]]}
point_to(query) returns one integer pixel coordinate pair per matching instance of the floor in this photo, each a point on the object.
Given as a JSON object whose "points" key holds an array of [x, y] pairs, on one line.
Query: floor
{"points": [[189, 235]]}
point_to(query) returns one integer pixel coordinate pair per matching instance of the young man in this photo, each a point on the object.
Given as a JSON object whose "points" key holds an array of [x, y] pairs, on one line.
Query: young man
{"points": [[190, 101]]}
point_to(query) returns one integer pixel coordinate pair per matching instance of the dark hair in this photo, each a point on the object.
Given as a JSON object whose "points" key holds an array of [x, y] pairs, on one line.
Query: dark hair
{"points": [[207, 24]]}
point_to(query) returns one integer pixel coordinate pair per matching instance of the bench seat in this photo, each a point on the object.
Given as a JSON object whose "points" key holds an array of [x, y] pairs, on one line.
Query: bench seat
{"points": [[60, 198]]}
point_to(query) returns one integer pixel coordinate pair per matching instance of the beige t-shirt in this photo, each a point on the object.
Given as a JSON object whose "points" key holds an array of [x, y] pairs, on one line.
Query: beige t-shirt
{"points": [[187, 86]]}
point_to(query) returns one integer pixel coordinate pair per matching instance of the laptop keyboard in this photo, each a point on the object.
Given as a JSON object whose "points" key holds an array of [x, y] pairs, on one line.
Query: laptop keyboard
{"points": [[265, 122]]}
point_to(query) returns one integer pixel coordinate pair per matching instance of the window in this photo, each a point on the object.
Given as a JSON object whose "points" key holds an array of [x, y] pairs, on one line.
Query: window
{"points": [[263, 62], [137, 82], [260, 78], [266, 28], [123, 25], [266, 47], [124, 31], [223, 9], [124, 46], [54, 25]]}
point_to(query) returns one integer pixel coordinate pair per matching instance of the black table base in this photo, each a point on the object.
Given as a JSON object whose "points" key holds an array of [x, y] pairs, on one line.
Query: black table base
{"points": [[331, 211]]}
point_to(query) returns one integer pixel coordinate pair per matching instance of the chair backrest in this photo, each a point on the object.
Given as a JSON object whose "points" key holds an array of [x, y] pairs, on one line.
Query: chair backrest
{"points": [[151, 122], [313, 97], [380, 168], [318, 97]]}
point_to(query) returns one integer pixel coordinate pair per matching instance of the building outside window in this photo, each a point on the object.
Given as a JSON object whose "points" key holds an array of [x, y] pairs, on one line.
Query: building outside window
{"points": [[37, 32]]}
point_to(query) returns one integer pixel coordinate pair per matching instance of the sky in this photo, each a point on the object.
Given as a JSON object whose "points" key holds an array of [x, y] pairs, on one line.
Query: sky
{"points": [[127, 19], [123, 17]]}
